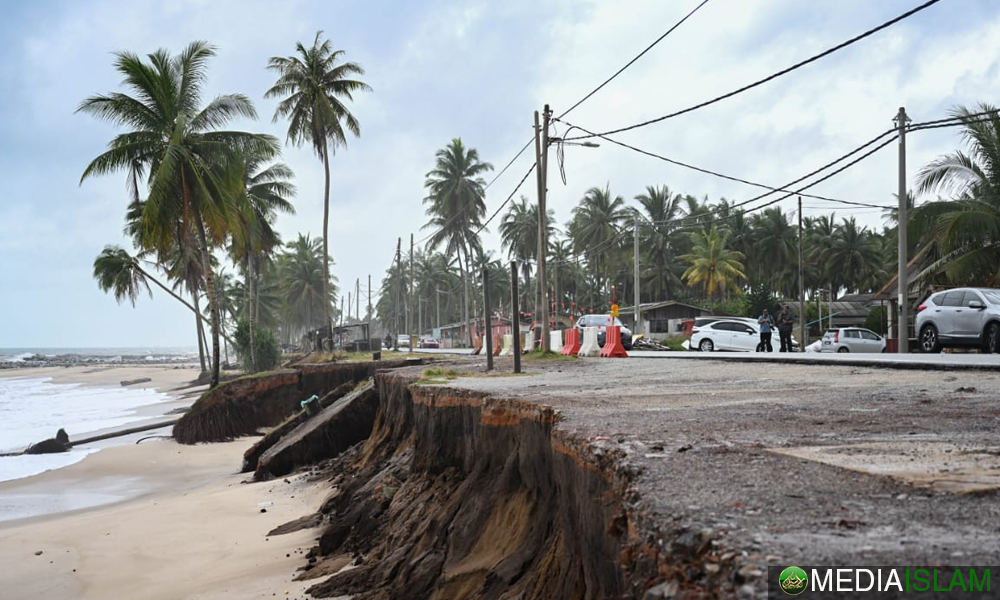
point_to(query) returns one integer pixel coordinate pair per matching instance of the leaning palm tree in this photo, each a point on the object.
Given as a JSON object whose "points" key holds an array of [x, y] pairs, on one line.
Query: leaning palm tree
{"points": [[968, 226], [313, 86], [456, 207], [176, 147], [713, 264]]}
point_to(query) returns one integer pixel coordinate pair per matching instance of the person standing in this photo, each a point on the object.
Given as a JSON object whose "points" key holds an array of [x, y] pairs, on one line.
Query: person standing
{"points": [[766, 322], [786, 322]]}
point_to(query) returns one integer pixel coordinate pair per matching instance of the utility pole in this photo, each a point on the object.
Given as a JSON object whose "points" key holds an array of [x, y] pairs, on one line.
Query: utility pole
{"points": [[802, 292], [901, 230], [541, 154], [409, 299], [487, 321], [515, 319], [357, 299], [399, 283], [635, 248], [369, 315], [438, 298]]}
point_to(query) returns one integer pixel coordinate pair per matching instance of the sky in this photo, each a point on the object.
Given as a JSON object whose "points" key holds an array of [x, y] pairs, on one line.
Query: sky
{"points": [[477, 70]]}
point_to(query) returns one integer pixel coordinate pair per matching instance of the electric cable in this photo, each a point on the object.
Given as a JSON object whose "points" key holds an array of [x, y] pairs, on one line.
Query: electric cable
{"points": [[773, 76], [637, 57]]}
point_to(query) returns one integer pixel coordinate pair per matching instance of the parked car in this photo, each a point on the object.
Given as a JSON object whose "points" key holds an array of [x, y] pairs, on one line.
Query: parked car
{"points": [[429, 342], [741, 335], [600, 322], [967, 317], [852, 339], [703, 321], [403, 340]]}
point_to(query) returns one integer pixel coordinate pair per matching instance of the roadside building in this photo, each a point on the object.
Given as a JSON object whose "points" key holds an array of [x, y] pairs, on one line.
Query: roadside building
{"points": [[661, 319]]}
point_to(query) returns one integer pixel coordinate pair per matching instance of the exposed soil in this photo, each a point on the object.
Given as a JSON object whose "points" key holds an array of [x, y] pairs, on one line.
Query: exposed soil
{"points": [[603, 478]]}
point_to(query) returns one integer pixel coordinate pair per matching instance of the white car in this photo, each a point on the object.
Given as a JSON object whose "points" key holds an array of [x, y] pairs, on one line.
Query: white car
{"points": [[852, 339], [731, 334], [961, 317]]}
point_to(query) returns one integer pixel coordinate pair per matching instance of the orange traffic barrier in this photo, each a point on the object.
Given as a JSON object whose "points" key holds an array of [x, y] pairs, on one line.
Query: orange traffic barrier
{"points": [[613, 343], [478, 345], [572, 345], [496, 347]]}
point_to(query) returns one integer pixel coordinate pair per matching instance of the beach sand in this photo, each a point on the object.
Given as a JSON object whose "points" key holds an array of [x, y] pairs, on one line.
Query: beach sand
{"points": [[186, 525]]}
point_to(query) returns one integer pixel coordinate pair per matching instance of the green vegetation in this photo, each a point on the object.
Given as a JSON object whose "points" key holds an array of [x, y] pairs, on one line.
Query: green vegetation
{"points": [[258, 349], [435, 376], [547, 355]]}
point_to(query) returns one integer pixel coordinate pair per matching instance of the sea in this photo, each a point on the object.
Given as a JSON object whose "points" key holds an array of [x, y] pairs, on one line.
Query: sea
{"points": [[33, 408]]}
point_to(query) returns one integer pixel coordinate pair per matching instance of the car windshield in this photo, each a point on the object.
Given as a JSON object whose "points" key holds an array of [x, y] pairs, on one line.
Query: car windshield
{"points": [[992, 296]]}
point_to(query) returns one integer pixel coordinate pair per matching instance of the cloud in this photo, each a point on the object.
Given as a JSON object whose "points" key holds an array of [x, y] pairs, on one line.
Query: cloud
{"points": [[476, 70]]}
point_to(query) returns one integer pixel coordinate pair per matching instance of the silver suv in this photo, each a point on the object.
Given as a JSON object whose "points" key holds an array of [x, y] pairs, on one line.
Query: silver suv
{"points": [[967, 317]]}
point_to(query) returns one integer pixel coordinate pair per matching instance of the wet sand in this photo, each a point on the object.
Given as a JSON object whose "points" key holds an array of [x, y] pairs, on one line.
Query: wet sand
{"points": [[156, 520]]}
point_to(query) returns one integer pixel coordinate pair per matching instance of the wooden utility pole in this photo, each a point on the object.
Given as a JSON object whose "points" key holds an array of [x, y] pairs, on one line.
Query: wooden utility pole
{"points": [[515, 320], [357, 299], [902, 223], [802, 293], [541, 153], [368, 317], [635, 249]]}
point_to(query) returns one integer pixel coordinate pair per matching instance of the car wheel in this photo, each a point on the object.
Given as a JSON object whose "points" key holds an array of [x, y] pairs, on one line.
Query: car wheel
{"points": [[929, 339], [843, 350], [992, 345], [706, 345]]}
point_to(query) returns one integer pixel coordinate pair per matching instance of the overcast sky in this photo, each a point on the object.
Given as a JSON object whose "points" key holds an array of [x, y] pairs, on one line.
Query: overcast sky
{"points": [[476, 70]]}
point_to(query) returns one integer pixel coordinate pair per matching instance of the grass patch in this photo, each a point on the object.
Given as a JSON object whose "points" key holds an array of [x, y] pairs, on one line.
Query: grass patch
{"points": [[674, 343], [542, 355], [437, 376]]}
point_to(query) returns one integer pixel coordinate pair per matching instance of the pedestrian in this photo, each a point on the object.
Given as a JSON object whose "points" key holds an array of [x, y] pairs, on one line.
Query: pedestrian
{"points": [[786, 321], [766, 322]]}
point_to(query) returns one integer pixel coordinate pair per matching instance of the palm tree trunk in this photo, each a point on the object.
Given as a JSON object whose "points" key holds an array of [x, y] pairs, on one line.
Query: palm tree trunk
{"points": [[326, 235], [250, 315], [198, 330], [213, 300]]}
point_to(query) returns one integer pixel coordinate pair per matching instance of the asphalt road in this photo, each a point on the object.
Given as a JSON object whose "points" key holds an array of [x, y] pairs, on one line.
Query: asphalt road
{"points": [[778, 463], [913, 361]]}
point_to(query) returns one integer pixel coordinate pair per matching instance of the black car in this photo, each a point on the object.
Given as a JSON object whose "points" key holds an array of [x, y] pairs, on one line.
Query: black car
{"points": [[602, 321]]}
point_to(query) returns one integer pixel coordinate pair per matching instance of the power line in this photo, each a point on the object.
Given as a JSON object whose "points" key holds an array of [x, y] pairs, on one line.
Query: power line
{"points": [[637, 57], [703, 170], [773, 76], [497, 211]]}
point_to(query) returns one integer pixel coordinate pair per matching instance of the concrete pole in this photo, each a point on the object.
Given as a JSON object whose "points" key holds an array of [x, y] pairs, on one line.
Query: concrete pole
{"points": [[409, 300], [901, 229], [543, 220], [487, 321], [357, 299], [438, 299], [515, 320], [802, 294], [637, 329], [368, 317], [399, 283]]}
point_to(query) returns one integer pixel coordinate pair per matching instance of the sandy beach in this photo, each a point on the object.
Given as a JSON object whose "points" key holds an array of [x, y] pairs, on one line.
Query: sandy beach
{"points": [[176, 521]]}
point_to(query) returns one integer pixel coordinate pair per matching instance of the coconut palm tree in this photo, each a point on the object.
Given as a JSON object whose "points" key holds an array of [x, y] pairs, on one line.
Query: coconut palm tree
{"points": [[713, 264], [120, 273], [301, 272], [176, 146], [854, 254], [266, 191], [314, 85], [596, 227], [658, 240], [456, 207], [968, 226], [519, 236]]}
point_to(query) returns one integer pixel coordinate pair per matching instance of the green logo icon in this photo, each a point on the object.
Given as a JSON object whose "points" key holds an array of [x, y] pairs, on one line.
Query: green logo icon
{"points": [[793, 581]]}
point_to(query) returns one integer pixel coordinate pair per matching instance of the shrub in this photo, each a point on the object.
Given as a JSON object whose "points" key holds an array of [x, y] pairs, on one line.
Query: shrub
{"points": [[267, 351]]}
